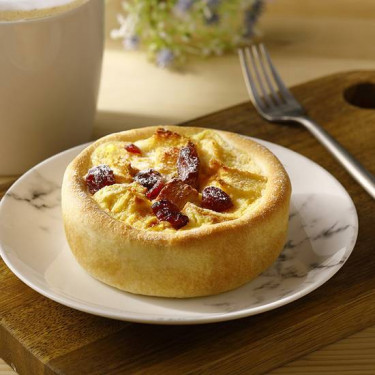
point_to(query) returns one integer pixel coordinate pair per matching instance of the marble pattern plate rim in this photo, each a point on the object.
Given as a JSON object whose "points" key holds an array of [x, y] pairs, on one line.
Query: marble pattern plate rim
{"points": [[324, 272]]}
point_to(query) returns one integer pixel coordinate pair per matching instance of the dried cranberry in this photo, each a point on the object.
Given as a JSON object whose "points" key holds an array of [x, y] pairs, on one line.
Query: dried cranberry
{"points": [[167, 211], [216, 199], [188, 165], [155, 190], [148, 178], [98, 177], [132, 148]]}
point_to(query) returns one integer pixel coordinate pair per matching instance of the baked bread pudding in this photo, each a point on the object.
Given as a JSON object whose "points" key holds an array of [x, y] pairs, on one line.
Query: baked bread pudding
{"points": [[175, 211]]}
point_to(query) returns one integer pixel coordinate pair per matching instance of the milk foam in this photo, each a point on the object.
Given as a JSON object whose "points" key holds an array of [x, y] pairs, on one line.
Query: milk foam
{"points": [[24, 9]]}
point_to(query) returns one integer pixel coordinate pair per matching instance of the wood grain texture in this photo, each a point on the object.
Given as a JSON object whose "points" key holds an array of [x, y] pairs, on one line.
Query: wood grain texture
{"points": [[353, 355], [40, 336]]}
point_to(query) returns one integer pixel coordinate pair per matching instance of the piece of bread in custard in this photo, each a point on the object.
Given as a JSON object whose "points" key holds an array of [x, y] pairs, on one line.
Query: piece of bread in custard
{"points": [[116, 237]]}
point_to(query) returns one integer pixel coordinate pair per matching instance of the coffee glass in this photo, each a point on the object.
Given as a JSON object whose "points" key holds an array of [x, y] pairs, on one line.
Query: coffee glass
{"points": [[50, 65]]}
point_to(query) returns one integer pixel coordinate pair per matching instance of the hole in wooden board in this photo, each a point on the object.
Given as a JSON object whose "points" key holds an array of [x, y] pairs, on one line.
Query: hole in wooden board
{"points": [[361, 95]]}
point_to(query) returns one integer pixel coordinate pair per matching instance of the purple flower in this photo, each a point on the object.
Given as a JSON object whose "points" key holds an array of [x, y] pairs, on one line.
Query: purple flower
{"points": [[250, 17], [183, 6], [164, 58], [131, 42], [212, 3]]}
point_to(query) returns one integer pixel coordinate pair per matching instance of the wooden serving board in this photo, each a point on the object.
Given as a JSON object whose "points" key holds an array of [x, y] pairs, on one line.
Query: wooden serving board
{"points": [[39, 336]]}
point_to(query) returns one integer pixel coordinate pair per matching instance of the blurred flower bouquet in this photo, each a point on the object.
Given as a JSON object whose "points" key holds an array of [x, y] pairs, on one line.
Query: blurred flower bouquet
{"points": [[171, 30]]}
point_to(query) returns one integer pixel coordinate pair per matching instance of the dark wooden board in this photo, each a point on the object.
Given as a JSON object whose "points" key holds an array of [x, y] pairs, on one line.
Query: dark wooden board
{"points": [[39, 336]]}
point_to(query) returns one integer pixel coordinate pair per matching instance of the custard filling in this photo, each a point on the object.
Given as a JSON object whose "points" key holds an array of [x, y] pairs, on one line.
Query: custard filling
{"points": [[221, 166]]}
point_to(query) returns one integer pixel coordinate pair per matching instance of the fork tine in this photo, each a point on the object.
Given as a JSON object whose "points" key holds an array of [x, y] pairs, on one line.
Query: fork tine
{"points": [[254, 58], [285, 93], [250, 84], [259, 54]]}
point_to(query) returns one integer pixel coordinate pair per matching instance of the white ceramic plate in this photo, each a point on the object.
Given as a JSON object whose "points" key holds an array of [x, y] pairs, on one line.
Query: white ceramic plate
{"points": [[322, 233]]}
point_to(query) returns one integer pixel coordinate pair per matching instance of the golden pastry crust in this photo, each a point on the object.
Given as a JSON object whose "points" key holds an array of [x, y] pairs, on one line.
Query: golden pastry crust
{"points": [[201, 261]]}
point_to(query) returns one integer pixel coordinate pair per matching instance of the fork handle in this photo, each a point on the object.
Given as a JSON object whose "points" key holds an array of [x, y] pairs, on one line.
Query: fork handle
{"points": [[352, 165]]}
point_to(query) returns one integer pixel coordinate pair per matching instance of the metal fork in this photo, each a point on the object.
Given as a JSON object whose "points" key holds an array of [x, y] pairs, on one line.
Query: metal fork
{"points": [[275, 103]]}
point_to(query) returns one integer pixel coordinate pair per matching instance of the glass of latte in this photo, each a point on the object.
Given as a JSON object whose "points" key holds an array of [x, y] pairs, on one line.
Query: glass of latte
{"points": [[50, 65]]}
